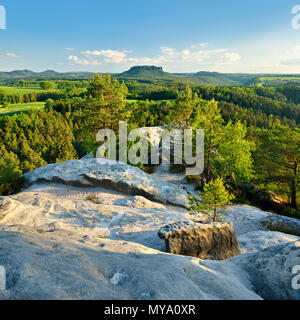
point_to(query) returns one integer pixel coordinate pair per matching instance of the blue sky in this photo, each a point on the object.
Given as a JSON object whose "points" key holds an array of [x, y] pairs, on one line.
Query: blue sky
{"points": [[181, 36]]}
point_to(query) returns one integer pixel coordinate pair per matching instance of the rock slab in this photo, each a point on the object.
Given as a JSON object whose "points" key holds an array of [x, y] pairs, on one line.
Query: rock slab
{"points": [[112, 175], [213, 241]]}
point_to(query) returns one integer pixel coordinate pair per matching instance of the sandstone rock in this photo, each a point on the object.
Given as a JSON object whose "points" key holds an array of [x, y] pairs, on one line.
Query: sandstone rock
{"points": [[278, 223], [54, 244], [270, 271], [89, 156], [259, 240], [58, 265], [109, 174], [139, 203], [53, 265], [214, 241], [247, 219]]}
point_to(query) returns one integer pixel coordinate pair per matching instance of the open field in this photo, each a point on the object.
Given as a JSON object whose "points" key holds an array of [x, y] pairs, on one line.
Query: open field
{"points": [[20, 90], [24, 107], [275, 80], [267, 78]]}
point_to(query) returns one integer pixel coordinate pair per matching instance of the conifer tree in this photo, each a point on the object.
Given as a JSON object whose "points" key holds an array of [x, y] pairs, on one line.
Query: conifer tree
{"points": [[213, 202]]}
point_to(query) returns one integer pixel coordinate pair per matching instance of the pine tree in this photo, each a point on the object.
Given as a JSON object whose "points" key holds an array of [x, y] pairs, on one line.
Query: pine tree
{"points": [[214, 202], [186, 103], [277, 160]]}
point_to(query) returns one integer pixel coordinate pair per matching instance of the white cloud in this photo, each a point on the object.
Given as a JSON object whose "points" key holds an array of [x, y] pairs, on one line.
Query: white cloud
{"points": [[199, 45], [83, 62], [191, 57], [12, 55], [110, 56], [168, 51], [292, 57], [91, 53], [229, 57]]}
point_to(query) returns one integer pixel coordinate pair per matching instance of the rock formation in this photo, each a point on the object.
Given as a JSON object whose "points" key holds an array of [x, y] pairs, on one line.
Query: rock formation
{"points": [[57, 244], [111, 175], [214, 241]]}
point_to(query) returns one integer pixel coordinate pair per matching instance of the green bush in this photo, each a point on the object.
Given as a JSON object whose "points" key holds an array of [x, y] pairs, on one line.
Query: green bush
{"points": [[11, 181], [290, 212], [213, 202]]}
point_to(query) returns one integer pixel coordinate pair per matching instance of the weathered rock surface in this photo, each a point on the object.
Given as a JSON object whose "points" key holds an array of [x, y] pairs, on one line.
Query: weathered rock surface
{"points": [[259, 240], [109, 174], [214, 241], [273, 222], [270, 271], [57, 265], [139, 202], [56, 244]]}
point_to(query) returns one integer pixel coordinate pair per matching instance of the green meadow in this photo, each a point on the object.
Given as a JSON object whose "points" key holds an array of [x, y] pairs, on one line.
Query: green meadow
{"points": [[23, 107], [20, 90]]}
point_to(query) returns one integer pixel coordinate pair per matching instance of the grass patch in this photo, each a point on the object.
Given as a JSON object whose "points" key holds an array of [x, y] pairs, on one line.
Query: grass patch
{"points": [[22, 107], [21, 90]]}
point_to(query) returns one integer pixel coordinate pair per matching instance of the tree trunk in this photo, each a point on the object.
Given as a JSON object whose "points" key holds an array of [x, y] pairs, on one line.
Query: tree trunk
{"points": [[215, 215]]}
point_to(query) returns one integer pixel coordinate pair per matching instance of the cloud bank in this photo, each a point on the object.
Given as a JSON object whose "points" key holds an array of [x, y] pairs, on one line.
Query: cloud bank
{"points": [[195, 55]]}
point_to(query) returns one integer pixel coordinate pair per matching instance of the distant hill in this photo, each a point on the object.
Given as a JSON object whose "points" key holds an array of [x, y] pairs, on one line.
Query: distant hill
{"points": [[154, 73], [226, 78], [16, 74], [145, 72], [200, 78], [48, 74], [215, 78]]}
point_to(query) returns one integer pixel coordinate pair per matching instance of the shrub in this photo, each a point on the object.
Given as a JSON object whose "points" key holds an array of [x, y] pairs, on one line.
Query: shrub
{"points": [[290, 212], [11, 181], [214, 202]]}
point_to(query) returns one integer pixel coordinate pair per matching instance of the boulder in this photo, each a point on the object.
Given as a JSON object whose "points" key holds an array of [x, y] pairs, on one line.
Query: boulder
{"points": [[109, 174], [214, 241]]}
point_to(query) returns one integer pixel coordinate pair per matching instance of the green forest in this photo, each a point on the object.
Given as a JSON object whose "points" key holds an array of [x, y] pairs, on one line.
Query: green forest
{"points": [[252, 133]]}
